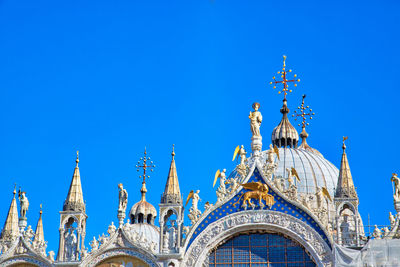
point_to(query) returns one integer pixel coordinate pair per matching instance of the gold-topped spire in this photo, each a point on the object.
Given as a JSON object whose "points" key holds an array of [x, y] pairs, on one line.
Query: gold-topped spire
{"points": [[172, 193], [284, 80], [39, 234], [10, 229], [143, 163], [74, 201], [345, 187]]}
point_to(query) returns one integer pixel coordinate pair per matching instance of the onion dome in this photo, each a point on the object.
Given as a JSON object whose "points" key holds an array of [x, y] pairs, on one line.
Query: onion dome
{"points": [[285, 135], [143, 211]]}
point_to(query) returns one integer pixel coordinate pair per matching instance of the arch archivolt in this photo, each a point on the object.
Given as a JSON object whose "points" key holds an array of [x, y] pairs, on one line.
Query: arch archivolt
{"points": [[24, 260], [121, 252], [266, 220]]}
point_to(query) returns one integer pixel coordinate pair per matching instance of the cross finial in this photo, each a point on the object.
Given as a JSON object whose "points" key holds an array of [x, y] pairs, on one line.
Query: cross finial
{"points": [[145, 163], [344, 139], [303, 112], [284, 80], [77, 157]]}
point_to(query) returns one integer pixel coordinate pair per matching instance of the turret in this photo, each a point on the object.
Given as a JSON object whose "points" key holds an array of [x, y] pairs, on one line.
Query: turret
{"points": [[73, 221], [171, 213], [348, 221]]}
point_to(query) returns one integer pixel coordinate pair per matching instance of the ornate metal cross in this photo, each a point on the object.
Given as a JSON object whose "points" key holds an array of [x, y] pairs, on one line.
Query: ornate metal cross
{"points": [[303, 113], [143, 163], [284, 80]]}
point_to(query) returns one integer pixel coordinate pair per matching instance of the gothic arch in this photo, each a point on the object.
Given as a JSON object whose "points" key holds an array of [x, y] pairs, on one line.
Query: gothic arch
{"points": [[276, 222]]}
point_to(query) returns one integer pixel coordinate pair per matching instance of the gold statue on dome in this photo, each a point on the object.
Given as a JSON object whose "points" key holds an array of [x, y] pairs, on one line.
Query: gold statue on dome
{"points": [[255, 120]]}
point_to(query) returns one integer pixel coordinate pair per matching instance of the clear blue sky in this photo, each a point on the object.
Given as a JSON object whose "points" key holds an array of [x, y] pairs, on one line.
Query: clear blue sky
{"points": [[111, 77]]}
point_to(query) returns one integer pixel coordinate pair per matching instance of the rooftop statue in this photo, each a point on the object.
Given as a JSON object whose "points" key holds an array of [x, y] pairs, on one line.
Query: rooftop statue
{"points": [[396, 182], [255, 120], [24, 203], [123, 198]]}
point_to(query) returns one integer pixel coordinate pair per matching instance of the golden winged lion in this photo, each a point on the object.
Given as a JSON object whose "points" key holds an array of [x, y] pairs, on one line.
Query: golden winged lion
{"points": [[258, 191]]}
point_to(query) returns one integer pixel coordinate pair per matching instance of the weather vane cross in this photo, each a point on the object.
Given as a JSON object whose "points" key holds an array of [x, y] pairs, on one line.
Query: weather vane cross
{"points": [[284, 80], [145, 163], [303, 112]]}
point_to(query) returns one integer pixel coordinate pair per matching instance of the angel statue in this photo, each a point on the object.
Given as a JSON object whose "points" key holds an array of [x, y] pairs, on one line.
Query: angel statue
{"points": [[396, 182], [392, 219], [292, 173], [239, 150], [255, 120], [321, 194], [221, 191], [23, 200], [123, 198], [194, 212], [258, 191], [270, 153]]}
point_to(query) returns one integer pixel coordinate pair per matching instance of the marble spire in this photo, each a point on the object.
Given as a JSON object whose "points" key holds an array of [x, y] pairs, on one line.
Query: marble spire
{"points": [[10, 229], [345, 187], [39, 234], [172, 193], [74, 200]]}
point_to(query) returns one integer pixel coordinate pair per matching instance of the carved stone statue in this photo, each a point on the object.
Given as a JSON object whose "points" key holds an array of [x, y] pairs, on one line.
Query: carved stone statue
{"points": [[396, 182], [166, 242], [24, 203], [377, 233], [51, 255], [111, 229], [94, 244], [70, 245], [123, 198], [29, 234], [279, 183], [290, 178], [207, 206], [221, 191], [172, 235], [345, 231], [320, 198], [255, 120], [234, 185], [392, 219], [242, 154], [196, 199], [270, 154]]}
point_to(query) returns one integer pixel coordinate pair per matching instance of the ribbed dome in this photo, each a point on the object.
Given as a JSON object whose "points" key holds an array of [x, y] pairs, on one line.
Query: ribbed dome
{"points": [[143, 211], [285, 135], [150, 232], [313, 169], [144, 208]]}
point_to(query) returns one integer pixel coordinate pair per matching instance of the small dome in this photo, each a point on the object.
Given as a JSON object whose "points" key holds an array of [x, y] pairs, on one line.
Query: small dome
{"points": [[285, 135], [150, 232], [143, 212]]}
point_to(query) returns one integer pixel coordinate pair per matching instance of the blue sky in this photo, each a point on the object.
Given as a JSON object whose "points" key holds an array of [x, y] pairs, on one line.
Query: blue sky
{"points": [[111, 77]]}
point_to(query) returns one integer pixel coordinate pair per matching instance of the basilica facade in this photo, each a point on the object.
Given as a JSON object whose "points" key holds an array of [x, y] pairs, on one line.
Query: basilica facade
{"points": [[285, 205]]}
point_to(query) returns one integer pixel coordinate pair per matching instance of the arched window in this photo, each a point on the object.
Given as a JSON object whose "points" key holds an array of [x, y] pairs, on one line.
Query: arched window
{"points": [[260, 250], [140, 218]]}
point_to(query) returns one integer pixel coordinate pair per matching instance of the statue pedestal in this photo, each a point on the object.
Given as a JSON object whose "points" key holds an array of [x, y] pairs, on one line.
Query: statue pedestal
{"points": [[397, 206], [121, 217], [22, 223], [256, 145]]}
